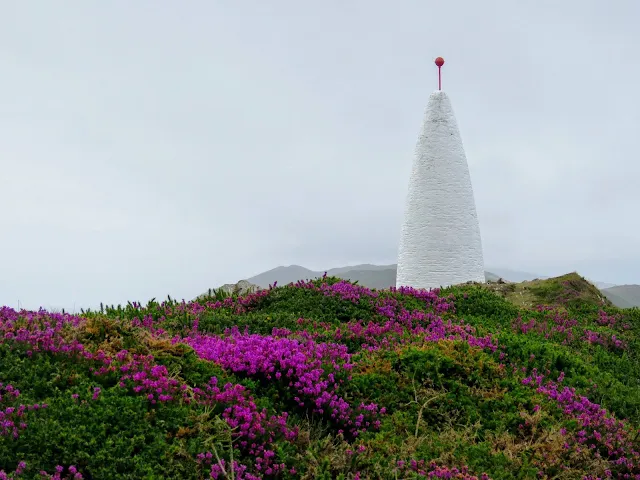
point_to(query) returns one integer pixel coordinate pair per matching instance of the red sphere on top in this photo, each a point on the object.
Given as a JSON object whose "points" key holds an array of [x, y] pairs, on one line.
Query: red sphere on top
{"points": [[439, 61]]}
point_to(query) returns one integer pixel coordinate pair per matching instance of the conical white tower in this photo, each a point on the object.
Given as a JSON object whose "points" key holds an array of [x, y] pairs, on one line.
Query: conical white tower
{"points": [[440, 241]]}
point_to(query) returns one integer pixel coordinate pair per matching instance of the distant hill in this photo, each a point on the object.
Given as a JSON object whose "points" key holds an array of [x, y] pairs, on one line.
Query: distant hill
{"points": [[283, 275], [623, 296], [363, 267], [515, 276], [372, 276], [384, 276]]}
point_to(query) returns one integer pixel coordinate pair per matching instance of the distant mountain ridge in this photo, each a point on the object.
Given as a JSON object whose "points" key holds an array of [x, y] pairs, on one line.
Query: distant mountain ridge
{"points": [[372, 276], [384, 276], [623, 296]]}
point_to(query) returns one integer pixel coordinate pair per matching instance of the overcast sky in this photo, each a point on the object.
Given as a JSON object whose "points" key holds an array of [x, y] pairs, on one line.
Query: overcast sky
{"points": [[161, 147]]}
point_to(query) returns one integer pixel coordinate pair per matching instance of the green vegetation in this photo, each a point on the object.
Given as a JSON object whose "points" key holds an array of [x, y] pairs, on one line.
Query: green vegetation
{"points": [[327, 379]]}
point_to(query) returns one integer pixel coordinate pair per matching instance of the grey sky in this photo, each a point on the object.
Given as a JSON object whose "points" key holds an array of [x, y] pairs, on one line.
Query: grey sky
{"points": [[156, 147]]}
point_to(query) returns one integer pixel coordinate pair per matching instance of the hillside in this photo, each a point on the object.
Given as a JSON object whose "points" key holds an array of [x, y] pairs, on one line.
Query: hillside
{"points": [[554, 291], [326, 379]]}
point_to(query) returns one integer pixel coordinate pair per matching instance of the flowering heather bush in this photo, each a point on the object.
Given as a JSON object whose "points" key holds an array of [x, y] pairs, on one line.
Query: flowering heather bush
{"points": [[18, 471], [597, 430], [149, 379], [609, 341], [9, 414], [41, 330], [408, 328], [313, 371], [555, 324], [433, 470], [608, 320], [72, 473], [12, 418], [324, 379]]}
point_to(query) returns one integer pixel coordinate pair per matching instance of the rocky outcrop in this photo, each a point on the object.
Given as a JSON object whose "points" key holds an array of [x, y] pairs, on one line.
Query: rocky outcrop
{"points": [[243, 287]]}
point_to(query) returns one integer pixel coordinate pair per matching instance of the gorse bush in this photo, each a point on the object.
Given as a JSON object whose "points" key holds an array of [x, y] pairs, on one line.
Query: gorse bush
{"points": [[326, 379]]}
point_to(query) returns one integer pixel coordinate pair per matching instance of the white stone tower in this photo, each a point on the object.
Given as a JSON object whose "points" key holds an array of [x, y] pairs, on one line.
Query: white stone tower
{"points": [[440, 241]]}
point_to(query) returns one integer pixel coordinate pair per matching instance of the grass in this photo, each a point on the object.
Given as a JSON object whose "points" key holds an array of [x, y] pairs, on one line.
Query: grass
{"points": [[559, 290]]}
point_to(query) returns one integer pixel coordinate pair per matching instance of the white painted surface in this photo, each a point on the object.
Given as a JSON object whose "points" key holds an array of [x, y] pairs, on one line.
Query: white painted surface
{"points": [[440, 241]]}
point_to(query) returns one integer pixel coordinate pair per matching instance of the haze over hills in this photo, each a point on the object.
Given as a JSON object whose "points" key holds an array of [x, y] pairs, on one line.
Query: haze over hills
{"points": [[384, 276], [373, 276], [623, 296], [514, 275]]}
